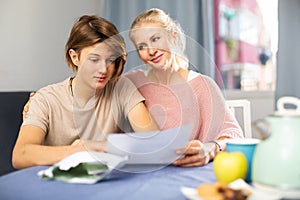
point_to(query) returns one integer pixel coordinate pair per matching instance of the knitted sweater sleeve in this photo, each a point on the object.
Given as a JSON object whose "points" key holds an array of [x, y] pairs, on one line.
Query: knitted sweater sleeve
{"points": [[216, 120]]}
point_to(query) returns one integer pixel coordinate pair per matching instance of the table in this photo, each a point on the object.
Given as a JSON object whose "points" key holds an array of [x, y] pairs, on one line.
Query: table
{"points": [[164, 183]]}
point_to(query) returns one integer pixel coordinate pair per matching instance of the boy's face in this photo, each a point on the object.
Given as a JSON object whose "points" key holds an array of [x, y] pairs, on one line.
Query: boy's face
{"points": [[96, 65]]}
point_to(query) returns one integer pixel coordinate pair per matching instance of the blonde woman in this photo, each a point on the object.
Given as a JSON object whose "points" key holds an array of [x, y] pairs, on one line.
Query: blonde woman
{"points": [[176, 96]]}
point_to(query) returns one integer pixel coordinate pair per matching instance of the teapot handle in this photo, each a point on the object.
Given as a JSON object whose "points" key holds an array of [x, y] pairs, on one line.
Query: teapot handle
{"points": [[262, 128], [288, 100]]}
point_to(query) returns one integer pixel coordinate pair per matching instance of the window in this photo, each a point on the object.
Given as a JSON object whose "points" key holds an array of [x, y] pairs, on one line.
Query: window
{"points": [[246, 41]]}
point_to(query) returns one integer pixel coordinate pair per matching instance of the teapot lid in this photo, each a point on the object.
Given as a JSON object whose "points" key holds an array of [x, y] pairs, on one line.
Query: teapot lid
{"points": [[288, 112]]}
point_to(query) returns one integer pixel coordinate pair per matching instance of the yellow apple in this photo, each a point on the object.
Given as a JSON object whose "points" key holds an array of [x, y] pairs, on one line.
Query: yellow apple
{"points": [[229, 166]]}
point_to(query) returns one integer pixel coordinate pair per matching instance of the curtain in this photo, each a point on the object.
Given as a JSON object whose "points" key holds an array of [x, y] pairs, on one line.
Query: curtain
{"points": [[288, 65]]}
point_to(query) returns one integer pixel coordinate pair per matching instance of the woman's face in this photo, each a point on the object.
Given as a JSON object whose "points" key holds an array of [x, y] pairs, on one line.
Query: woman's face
{"points": [[96, 65], [151, 42]]}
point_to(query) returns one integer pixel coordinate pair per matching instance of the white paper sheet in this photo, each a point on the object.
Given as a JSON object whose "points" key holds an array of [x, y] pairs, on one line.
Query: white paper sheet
{"points": [[156, 147]]}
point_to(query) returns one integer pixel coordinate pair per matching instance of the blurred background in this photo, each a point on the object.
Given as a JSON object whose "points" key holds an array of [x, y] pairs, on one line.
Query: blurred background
{"points": [[250, 47]]}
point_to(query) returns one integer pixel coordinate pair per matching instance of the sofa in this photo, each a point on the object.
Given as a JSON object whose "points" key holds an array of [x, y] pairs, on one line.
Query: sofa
{"points": [[11, 107]]}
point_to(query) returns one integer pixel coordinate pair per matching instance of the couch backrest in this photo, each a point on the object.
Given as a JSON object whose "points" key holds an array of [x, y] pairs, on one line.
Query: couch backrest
{"points": [[11, 107]]}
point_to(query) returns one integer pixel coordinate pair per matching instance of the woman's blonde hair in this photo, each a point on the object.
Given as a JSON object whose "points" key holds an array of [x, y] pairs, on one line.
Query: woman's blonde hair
{"points": [[158, 16]]}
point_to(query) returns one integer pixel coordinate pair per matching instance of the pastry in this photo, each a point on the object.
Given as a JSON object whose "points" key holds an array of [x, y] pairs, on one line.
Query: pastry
{"points": [[221, 191]]}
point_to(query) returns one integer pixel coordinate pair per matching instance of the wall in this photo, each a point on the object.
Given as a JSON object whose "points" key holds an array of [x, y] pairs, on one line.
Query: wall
{"points": [[32, 37], [262, 104]]}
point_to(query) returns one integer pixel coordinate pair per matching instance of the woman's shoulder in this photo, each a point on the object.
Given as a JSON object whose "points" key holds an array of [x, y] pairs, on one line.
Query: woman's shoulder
{"points": [[136, 74], [198, 76], [123, 80], [137, 77], [123, 83], [198, 80]]}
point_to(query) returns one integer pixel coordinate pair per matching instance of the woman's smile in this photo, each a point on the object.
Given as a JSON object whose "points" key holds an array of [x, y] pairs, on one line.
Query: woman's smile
{"points": [[157, 58]]}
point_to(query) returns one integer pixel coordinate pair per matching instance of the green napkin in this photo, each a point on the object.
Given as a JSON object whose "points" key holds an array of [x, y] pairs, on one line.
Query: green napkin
{"points": [[83, 167], [82, 173]]}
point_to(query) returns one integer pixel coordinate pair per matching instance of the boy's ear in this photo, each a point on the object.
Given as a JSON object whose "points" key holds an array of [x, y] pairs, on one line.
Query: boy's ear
{"points": [[74, 56]]}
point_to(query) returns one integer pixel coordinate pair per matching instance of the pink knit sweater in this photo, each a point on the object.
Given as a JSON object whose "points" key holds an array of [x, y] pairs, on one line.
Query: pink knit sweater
{"points": [[198, 102]]}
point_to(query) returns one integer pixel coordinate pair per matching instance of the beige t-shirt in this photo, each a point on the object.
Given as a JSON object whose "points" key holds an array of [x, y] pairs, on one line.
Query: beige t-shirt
{"points": [[54, 109]]}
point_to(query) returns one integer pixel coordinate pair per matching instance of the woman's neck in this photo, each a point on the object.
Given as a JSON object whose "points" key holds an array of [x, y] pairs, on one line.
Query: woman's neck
{"points": [[160, 76], [168, 77]]}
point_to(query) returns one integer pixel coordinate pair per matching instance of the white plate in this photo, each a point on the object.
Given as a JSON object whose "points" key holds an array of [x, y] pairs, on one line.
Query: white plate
{"points": [[191, 193], [286, 193]]}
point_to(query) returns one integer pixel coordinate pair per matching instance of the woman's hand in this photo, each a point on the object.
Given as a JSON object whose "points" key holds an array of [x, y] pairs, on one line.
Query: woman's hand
{"points": [[90, 145], [26, 107], [195, 154]]}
